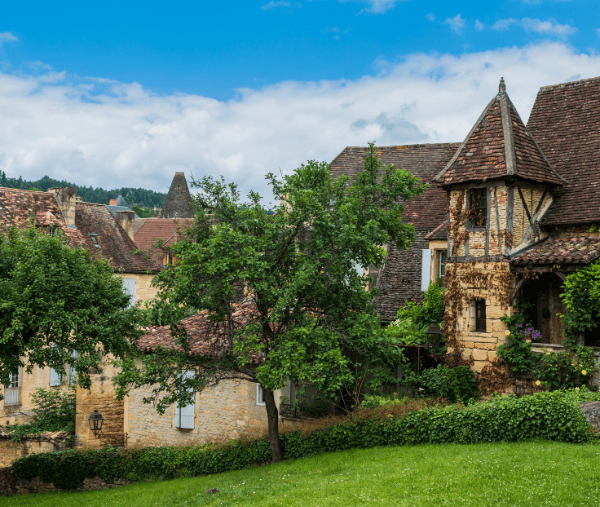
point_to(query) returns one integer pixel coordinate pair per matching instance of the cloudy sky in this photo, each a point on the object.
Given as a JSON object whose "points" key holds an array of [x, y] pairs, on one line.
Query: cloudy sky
{"points": [[126, 93]]}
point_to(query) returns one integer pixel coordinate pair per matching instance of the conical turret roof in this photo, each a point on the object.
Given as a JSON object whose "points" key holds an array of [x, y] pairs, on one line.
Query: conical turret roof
{"points": [[179, 202], [499, 146]]}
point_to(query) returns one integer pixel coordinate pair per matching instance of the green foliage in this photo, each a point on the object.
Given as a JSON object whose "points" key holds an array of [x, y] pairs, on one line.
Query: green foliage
{"points": [[140, 196], [144, 212], [308, 315], [53, 411], [453, 384], [413, 319], [552, 416], [573, 367], [56, 302], [582, 300]]}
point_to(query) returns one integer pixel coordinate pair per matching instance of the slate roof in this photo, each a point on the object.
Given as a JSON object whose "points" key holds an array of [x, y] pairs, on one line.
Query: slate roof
{"points": [[116, 245], [17, 205], [153, 229], [421, 160], [206, 337], [556, 250], [179, 202], [114, 209], [565, 121], [499, 146]]}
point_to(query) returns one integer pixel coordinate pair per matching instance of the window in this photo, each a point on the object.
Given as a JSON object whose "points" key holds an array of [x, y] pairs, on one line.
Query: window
{"points": [[11, 391], [55, 376], [443, 254], [185, 416], [260, 395], [477, 206], [94, 238], [425, 269], [71, 372], [480, 323]]}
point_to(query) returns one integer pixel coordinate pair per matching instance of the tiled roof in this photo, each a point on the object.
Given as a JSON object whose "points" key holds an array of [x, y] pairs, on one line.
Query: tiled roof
{"points": [[498, 146], [565, 122], [153, 229], [206, 337], [438, 233], [17, 205], [421, 160], [179, 202], [556, 250], [116, 245]]}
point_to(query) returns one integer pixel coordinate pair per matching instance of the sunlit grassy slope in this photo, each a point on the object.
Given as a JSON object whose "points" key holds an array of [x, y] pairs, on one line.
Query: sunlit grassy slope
{"points": [[527, 474]]}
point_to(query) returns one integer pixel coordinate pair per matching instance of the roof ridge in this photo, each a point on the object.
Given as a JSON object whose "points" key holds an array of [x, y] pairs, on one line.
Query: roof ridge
{"points": [[26, 190], [570, 84], [510, 155]]}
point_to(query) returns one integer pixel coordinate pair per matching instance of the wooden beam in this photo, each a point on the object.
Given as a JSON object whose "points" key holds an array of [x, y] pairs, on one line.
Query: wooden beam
{"points": [[497, 221], [525, 205], [561, 276], [513, 294]]}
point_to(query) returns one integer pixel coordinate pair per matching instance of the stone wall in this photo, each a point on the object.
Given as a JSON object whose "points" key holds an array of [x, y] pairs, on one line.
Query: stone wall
{"points": [[100, 396], [491, 281], [226, 411], [143, 289], [10, 450]]}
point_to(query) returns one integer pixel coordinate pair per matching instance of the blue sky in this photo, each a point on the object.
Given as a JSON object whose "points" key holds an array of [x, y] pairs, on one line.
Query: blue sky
{"points": [[126, 93]]}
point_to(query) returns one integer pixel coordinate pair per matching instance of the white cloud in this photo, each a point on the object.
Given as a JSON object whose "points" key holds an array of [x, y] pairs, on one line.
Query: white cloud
{"points": [[7, 37], [457, 22], [102, 133], [375, 6], [273, 4], [536, 26], [479, 26], [430, 17]]}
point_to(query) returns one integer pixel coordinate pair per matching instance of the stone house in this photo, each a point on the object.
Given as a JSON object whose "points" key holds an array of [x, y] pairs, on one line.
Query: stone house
{"points": [[523, 201], [88, 225]]}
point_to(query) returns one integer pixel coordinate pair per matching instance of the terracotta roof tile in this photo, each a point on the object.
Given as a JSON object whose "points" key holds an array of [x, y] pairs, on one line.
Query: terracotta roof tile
{"points": [[565, 122], [116, 245], [499, 145], [206, 337], [421, 160], [558, 250], [16, 207], [153, 229], [438, 233]]}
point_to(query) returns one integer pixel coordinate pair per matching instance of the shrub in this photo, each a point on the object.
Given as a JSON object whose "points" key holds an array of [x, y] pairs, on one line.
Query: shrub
{"points": [[453, 384], [549, 415], [52, 411]]}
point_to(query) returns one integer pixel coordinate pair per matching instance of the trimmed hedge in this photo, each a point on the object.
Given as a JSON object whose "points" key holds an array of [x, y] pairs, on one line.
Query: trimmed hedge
{"points": [[550, 415]]}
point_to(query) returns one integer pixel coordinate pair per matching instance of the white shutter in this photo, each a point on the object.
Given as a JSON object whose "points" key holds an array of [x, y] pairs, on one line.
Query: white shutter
{"points": [[260, 398], [71, 372], [425, 269], [54, 378], [185, 416], [129, 288]]}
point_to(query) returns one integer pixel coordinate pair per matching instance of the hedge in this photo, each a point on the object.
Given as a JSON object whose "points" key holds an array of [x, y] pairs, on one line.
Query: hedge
{"points": [[548, 415]]}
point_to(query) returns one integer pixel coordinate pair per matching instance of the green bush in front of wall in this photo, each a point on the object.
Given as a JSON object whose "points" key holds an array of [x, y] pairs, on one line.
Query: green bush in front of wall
{"points": [[548, 415]]}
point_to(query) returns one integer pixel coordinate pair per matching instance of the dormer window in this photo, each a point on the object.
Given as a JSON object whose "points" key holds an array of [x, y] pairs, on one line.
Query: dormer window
{"points": [[94, 238], [477, 207]]}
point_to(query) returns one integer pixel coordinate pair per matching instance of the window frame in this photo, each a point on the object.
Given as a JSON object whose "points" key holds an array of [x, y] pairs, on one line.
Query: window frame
{"points": [[481, 225], [260, 395], [480, 321]]}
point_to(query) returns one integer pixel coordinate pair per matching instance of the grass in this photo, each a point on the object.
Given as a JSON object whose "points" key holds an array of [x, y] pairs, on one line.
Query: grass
{"points": [[507, 474]]}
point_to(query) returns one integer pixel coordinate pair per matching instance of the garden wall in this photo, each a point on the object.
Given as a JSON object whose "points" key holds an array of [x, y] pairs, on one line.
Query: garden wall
{"points": [[11, 450]]}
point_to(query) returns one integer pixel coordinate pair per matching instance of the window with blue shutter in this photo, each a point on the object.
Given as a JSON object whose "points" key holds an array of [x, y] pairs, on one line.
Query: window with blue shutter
{"points": [[71, 372], [425, 269], [260, 397], [185, 416], [55, 376]]}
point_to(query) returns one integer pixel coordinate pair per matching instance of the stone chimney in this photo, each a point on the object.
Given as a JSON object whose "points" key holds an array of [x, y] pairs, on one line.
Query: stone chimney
{"points": [[126, 219], [66, 197], [112, 202]]}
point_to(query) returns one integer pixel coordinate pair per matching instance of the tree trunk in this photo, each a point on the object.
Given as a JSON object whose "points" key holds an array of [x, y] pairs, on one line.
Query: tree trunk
{"points": [[273, 419]]}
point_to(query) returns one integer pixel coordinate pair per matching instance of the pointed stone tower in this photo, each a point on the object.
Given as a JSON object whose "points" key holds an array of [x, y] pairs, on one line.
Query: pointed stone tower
{"points": [[499, 185], [179, 202]]}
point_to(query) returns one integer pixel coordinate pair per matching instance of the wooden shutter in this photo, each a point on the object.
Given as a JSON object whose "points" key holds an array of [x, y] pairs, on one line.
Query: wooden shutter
{"points": [[71, 372], [425, 269], [185, 416], [129, 288], [54, 378]]}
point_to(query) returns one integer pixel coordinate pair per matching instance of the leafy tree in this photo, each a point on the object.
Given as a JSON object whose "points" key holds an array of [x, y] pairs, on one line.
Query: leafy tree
{"points": [[55, 300], [306, 314], [142, 211]]}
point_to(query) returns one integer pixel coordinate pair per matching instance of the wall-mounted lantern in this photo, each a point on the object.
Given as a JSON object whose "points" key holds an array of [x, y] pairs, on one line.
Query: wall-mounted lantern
{"points": [[434, 336], [96, 421]]}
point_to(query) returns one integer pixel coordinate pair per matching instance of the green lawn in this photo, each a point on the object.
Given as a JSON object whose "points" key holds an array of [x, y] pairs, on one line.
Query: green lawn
{"points": [[527, 474]]}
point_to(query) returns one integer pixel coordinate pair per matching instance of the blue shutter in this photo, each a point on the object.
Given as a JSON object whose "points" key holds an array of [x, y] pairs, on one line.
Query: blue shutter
{"points": [[71, 372], [54, 378], [425, 269], [185, 416]]}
